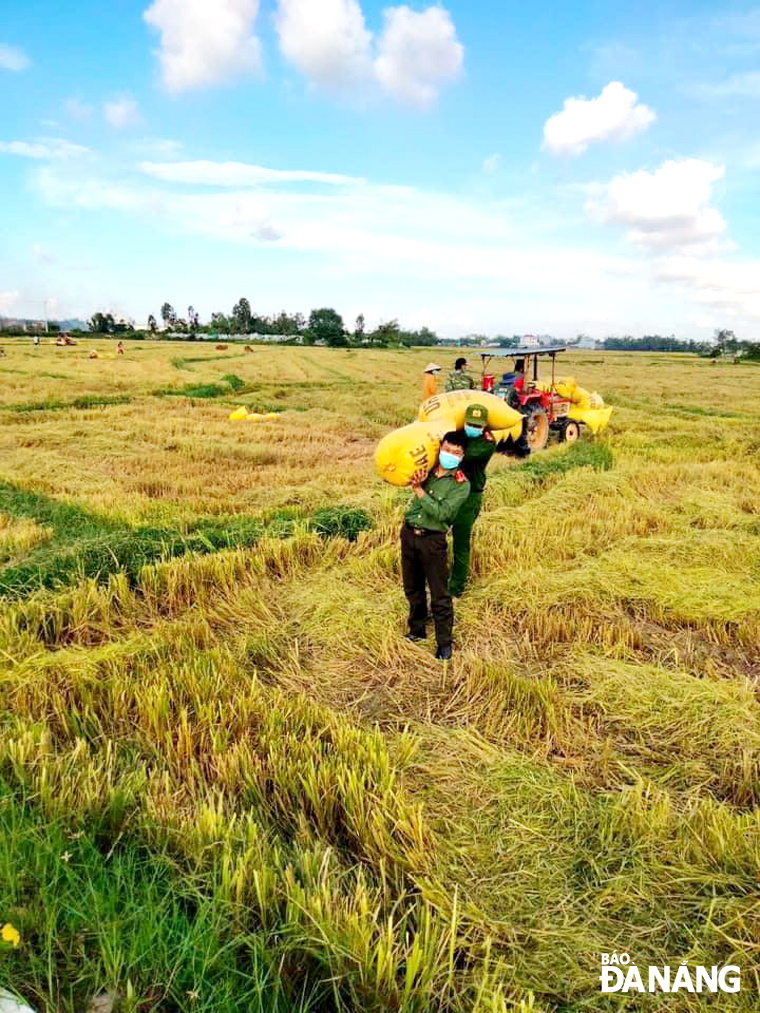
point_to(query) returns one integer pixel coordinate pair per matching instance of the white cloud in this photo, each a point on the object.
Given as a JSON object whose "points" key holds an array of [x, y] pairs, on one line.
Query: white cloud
{"points": [[329, 43], [491, 164], [7, 300], [12, 58], [416, 52], [203, 42], [614, 115], [326, 40], [382, 250], [354, 231], [77, 109], [44, 148], [665, 209], [668, 214], [238, 215], [236, 174], [120, 113]]}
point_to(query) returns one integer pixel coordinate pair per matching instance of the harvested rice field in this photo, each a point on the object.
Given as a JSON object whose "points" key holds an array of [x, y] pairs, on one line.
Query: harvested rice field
{"points": [[227, 781]]}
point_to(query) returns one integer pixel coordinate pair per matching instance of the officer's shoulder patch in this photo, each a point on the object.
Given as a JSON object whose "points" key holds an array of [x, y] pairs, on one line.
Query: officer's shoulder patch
{"points": [[488, 436], [460, 477]]}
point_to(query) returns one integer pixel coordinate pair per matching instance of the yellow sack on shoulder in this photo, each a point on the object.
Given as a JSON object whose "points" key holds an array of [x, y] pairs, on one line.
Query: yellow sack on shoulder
{"points": [[406, 450], [455, 403]]}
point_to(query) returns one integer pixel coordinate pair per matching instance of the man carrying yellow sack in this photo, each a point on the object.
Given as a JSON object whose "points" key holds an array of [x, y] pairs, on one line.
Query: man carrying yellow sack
{"points": [[480, 449], [438, 498]]}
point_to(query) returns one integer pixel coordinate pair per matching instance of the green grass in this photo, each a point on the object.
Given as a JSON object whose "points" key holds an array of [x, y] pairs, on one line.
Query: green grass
{"points": [[69, 520], [85, 401], [583, 454], [114, 917], [180, 362], [340, 521], [706, 411], [198, 390], [87, 546], [232, 385]]}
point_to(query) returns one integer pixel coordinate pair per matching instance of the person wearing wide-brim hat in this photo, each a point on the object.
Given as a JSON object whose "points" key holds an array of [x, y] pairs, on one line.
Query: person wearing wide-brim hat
{"points": [[430, 380], [479, 450]]}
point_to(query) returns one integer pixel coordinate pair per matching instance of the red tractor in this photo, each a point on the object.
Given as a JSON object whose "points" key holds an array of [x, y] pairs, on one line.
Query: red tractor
{"points": [[545, 410]]}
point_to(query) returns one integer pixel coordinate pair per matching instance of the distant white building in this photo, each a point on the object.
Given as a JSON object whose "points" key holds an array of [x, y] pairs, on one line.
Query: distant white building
{"points": [[530, 341], [587, 342]]}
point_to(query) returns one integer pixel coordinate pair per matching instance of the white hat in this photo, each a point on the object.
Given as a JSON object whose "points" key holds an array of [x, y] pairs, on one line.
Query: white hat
{"points": [[431, 368]]}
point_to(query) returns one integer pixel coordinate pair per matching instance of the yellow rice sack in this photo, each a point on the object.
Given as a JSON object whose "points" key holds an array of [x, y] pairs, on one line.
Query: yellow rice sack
{"points": [[404, 451], [453, 404]]}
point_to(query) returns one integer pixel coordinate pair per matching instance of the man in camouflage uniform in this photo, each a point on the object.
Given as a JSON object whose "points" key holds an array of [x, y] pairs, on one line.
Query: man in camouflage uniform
{"points": [[458, 378], [438, 498], [479, 451]]}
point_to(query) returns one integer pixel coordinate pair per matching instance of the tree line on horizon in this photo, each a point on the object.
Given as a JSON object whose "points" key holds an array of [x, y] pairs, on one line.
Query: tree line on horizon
{"points": [[724, 342], [323, 326], [326, 326]]}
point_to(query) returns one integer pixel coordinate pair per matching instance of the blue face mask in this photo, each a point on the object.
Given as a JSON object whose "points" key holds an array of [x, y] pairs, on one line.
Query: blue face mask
{"points": [[473, 432], [449, 461]]}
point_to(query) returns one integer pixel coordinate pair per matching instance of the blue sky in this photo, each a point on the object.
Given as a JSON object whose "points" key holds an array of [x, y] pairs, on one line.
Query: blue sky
{"points": [[473, 166]]}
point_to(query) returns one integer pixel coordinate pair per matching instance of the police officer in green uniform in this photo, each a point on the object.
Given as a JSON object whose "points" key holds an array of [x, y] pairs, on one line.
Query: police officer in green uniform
{"points": [[480, 450], [438, 498], [459, 378]]}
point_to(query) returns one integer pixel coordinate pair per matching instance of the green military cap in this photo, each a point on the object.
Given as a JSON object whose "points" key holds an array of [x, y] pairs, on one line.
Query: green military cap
{"points": [[476, 415]]}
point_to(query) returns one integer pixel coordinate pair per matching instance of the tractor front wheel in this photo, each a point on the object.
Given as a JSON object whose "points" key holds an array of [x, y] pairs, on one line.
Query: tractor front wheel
{"points": [[569, 432], [537, 430]]}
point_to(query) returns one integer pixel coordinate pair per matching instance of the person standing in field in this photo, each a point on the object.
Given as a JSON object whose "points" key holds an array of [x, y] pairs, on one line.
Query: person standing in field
{"points": [[438, 498], [430, 380], [459, 378], [479, 451], [36, 341], [120, 349]]}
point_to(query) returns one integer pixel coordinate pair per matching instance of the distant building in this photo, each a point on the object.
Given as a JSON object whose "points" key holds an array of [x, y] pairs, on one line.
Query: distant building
{"points": [[587, 342], [530, 341]]}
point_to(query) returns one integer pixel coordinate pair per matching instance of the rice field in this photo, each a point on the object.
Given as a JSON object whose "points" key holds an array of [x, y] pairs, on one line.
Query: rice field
{"points": [[227, 782]]}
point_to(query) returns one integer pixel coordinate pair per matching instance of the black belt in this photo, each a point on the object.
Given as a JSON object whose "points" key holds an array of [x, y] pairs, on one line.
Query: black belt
{"points": [[421, 531]]}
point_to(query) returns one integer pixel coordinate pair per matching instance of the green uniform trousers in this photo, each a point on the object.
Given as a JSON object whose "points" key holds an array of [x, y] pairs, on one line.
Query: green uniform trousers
{"points": [[462, 532], [424, 561]]}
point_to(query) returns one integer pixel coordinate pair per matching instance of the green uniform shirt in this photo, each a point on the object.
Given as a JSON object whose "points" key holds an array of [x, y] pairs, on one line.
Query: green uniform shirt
{"points": [[479, 452], [436, 510], [459, 380]]}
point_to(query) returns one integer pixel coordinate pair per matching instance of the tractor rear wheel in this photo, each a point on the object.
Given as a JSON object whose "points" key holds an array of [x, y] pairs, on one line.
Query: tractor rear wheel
{"points": [[537, 430], [569, 432]]}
